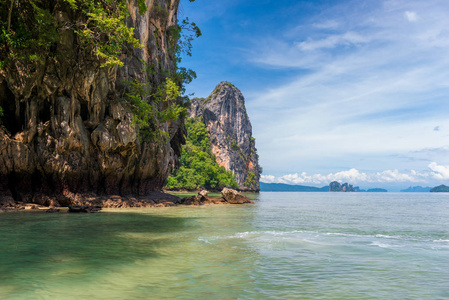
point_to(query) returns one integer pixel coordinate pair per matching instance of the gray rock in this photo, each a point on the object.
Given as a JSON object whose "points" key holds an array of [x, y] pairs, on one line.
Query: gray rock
{"points": [[230, 132], [234, 197], [203, 193]]}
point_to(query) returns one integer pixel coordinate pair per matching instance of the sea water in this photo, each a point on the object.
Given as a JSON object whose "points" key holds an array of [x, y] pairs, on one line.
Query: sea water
{"points": [[285, 246]]}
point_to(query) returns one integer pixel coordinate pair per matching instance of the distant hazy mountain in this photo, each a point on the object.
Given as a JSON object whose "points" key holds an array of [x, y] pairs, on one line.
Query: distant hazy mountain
{"points": [[281, 187], [417, 189], [377, 190], [440, 189]]}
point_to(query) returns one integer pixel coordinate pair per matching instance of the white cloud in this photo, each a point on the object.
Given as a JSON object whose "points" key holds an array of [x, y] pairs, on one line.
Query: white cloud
{"points": [[440, 172], [332, 41], [352, 176], [328, 24], [411, 16], [435, 174]]}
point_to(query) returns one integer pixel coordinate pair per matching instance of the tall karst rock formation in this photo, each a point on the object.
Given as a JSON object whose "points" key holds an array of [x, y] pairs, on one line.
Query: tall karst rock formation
{"points": [[230, 132], [66, 128]]}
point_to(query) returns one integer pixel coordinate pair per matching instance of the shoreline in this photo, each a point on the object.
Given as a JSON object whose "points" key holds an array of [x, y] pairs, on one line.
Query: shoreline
{"points": [[152, 199]]}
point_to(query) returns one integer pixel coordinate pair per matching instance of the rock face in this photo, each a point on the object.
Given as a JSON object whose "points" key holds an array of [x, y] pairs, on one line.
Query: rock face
{"points": [[230, 132], [335, 186], [65, 129], [229, 196], [234, 197]]}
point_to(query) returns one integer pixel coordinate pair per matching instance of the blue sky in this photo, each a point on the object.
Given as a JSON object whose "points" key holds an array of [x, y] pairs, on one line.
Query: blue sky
{"points": [[354, 91]]}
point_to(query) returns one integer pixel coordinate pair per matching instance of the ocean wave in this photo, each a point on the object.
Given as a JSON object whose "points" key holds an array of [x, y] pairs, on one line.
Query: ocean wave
{"points": [[204, 240], [395, 237], [441, 241], [323, 238], [384, 245]]}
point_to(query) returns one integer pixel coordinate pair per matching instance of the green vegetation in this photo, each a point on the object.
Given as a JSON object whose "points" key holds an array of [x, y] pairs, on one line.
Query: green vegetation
{"points": [[105, 31], [29, 32], [153, 106], [254, 152], [440, 189], [235, 145], [250, 180], [26, 29], [198, 165]]}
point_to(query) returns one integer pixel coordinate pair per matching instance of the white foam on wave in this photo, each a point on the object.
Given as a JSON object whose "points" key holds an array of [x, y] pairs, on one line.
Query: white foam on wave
{"points": [[273, 236], [201, 239], [250, 234], [381, 245], [441, 241], [388, 236]]}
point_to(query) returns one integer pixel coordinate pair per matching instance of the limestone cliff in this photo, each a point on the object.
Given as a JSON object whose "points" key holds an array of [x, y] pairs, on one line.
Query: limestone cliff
{"points": [[65, 128], [230, 132], [335, 186]]}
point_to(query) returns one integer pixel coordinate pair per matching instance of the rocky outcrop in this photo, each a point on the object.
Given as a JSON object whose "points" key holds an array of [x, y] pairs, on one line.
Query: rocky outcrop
{"points": [[65, 128], [230, 132], [151, 199], [335, 186], [234, 197], [229, 196]]}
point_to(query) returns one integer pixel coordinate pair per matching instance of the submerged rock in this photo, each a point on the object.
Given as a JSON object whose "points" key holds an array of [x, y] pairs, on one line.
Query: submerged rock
{"points": [[83, 209]]}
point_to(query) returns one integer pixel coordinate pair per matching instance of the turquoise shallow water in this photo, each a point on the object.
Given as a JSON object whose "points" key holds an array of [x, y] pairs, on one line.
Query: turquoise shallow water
{"points": [[286, 246]]}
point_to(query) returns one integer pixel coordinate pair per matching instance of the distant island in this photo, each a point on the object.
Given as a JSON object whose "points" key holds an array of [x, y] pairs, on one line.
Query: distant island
{"points": [[416, 189], [282, 187], [377, 190], [440, 189], [334, 186]]}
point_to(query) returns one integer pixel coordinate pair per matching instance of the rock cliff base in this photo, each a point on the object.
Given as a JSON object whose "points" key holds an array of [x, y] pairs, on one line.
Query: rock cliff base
{"points": [[152, 199]]}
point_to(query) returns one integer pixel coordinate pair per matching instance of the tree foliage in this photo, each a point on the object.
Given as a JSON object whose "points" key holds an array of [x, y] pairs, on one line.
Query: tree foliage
{"points": [[105, 31], [154, 105], [28, 29], [198, 165]]}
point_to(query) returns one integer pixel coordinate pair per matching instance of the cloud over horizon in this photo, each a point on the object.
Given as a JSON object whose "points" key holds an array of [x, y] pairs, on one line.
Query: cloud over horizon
{"points": [[353, 176]]}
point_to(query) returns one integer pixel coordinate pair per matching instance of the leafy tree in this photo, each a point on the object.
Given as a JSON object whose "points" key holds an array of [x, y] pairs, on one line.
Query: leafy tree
{"points": [[28, 29], [198, 165], [250, 180], [153, 106]]}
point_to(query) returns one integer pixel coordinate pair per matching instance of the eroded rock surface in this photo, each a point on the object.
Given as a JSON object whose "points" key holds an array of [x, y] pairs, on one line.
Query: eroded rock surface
{"points": [[234, 197], [230, 132], [229, 196], [66, 129]]}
